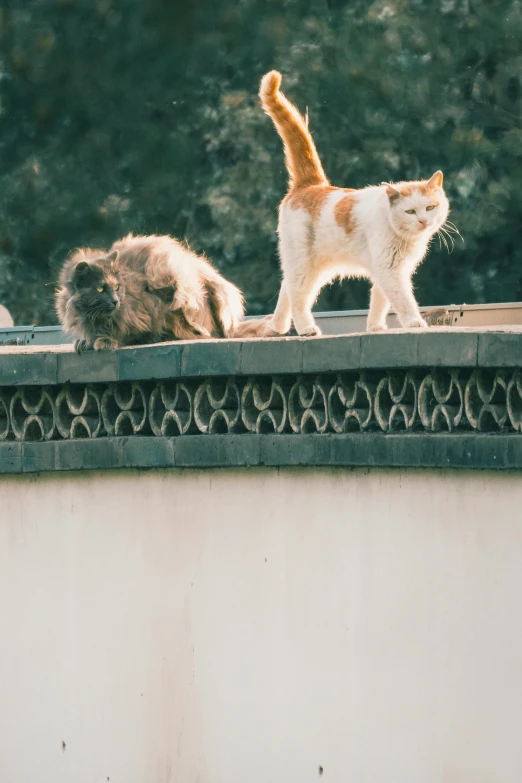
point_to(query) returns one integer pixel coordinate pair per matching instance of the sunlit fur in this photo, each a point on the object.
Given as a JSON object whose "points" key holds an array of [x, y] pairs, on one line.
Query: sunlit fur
{"points": [[153, 288], [327, 232]]}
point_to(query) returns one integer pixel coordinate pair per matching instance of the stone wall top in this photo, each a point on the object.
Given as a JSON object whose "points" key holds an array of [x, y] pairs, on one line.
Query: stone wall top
{"points": [[440, 398], [397, 348]]}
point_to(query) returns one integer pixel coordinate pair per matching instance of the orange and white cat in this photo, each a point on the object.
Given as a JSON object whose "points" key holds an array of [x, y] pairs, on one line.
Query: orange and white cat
{"points": [[380, 232]]}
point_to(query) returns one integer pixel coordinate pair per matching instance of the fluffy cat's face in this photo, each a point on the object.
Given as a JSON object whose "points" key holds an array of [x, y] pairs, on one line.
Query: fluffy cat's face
{"points": [[96, 286], [418, 209]]}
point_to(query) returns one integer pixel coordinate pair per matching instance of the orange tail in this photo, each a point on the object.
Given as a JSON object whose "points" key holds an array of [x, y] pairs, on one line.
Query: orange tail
{"points": [[302, 161], [255, 327]]}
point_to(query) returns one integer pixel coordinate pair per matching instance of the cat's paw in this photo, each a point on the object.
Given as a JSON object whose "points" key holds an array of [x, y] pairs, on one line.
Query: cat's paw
{"points": [[280, 325], [81, 345], [415, 323], [311, 331], [376, 328], [105, 344]]}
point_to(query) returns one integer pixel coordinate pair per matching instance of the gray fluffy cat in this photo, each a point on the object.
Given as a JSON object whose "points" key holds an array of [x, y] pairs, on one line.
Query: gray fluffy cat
{"points": [[148, 289]]}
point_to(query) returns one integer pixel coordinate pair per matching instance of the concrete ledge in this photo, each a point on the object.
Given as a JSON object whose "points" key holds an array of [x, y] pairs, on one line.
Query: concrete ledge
{"points": [[491, 452], [435, 347], [439, 398]]}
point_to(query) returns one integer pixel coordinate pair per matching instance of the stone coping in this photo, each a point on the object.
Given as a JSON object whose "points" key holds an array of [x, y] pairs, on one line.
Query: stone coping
{"points": [[355, 450], [396, 348], [444, 397]]}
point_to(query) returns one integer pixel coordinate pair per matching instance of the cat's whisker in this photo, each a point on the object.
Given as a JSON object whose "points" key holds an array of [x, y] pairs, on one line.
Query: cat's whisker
{"points": [[450, 237], [93, 314], [453, 228], [441, 236], [450, 240]]}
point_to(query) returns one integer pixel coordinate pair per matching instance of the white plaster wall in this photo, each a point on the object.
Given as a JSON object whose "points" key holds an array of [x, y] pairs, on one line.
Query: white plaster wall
{"points": [[248, 626]]}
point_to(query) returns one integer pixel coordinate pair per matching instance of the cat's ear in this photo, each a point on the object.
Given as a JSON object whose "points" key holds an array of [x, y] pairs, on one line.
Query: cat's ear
{"points": [[82, 270], [113, 259], [435, 181], [392, 192], [82, 273]]}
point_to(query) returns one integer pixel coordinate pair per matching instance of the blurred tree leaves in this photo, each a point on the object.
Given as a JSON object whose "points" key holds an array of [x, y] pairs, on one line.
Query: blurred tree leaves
{"points": [[142, 116]]}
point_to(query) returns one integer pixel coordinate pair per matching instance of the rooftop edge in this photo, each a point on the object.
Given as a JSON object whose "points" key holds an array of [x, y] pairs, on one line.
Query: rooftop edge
{"points": [[396, 348]]}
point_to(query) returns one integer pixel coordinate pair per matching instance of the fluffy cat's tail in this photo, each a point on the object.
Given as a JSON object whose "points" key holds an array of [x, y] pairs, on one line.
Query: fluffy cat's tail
{"points": [[255, 327], [302, 161], [226, 304], [225, 301]]}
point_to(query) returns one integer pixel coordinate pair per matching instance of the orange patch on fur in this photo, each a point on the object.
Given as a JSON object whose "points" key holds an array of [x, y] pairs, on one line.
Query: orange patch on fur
{"points": [[423, 187], [112, 280], [343, 213], [312, 198], [426, 189]]}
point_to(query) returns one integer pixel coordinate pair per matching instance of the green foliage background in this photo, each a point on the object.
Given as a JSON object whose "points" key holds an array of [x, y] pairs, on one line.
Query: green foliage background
{"points": [[142, 115]]}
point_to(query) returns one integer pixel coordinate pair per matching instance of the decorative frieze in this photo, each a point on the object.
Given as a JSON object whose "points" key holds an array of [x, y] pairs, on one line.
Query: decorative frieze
{"points": [[390, 401]]}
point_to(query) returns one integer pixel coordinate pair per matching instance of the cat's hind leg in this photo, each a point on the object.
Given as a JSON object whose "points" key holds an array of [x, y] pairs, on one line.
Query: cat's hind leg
{"points": [[179, 328], [189, 303], [303, 289], [301, 278], [282, 317]]}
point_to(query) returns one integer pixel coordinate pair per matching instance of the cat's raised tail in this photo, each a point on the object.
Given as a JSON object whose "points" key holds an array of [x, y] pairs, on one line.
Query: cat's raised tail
{"points": [[302, 161]]}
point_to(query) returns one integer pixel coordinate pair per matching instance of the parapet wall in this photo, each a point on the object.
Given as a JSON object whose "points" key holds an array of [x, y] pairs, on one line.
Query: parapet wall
{"points": [[286, 624], [404, 398], [253, 626]]}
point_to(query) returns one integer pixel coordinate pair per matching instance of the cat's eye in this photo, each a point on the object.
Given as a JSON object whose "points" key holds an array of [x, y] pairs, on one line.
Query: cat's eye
{"points": [[100, 290], [117, 287], [428, 209], [410, 211]]}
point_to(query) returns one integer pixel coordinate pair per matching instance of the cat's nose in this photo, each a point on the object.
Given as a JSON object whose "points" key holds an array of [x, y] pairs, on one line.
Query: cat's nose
{"points": [[423, 222]]}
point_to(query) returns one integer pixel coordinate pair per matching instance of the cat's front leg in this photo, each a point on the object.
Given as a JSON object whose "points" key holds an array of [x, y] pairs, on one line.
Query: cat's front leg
{"points": [[379, 307], [415, 322], [105, 344], [305, 326], [398, 290], [82, 345]]}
